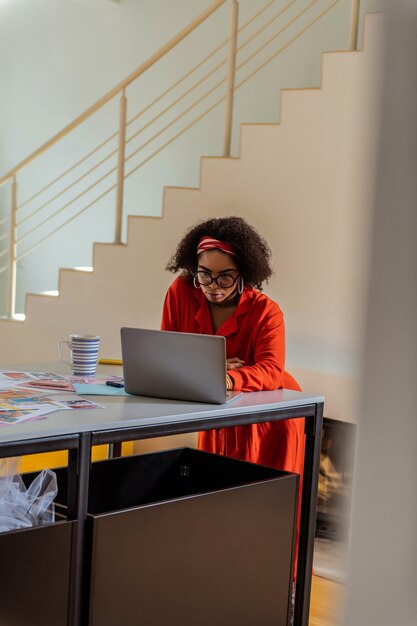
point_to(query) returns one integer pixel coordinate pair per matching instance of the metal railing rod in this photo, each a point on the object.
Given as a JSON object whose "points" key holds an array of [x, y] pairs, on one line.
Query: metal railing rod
{"points": [[267, 24], [120, 168], [4, 220], [294, 38], [11, 283], [205, 77], [171, 140], [4, 237], [68, 221], [187, 110], [173, 86], [197, 119], [255, 15], [184, 95], [179, 81], [22, 222], [278, 33], [181, 132], [67, 188], [80, 195], [205, 95], [200, 63], [354, 24], [67, 171], [231, 73], [114, 169], [118, 88], [218, 84], [4, 268], [3, 253]]}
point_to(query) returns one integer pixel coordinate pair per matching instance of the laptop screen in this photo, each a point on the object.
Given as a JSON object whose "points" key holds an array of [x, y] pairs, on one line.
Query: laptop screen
{"points": [[179, 366]]}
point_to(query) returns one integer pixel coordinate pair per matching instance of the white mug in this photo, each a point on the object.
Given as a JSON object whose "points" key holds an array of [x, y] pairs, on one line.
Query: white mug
{"points": [[83, 354]]}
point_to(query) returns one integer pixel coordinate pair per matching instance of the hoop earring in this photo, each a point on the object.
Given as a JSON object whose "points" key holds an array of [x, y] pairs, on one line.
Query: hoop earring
{"points": [[240, 285], [196, 283]]}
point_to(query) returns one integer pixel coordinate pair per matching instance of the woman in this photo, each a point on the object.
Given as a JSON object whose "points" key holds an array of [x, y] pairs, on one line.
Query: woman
{"points": [[224, 263]]}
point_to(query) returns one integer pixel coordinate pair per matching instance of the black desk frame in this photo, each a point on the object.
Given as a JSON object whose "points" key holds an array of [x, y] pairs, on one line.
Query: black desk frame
{"points": [[79, 447]]}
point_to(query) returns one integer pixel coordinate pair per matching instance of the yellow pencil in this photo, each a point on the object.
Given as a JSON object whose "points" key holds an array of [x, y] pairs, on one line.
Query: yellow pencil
{"points": [[110, 362]]}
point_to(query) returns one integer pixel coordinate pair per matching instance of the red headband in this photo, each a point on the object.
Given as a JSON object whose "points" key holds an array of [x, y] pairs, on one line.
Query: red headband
{"points": [[209, 243]]}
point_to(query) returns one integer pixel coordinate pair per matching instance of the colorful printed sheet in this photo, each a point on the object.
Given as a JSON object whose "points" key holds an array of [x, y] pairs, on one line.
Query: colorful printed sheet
{"points": [[31, 395]]}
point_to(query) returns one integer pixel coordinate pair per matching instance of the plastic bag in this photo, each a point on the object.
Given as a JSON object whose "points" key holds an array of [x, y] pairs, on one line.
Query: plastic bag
{"points": [[22, 507]]}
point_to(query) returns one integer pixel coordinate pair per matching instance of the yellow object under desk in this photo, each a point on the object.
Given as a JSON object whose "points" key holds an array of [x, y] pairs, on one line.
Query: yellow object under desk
{"points": [[38, 462]]}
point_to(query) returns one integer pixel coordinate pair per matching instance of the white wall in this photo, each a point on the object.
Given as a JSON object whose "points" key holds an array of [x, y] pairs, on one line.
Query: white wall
{"points": [[59, 56]]}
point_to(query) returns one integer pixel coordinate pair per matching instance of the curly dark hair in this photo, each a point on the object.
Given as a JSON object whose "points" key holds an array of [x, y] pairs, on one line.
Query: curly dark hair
{"points": [[253, 253]]}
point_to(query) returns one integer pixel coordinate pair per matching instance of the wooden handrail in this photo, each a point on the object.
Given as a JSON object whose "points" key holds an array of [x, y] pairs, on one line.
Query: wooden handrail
{"points": [[119, 88]]}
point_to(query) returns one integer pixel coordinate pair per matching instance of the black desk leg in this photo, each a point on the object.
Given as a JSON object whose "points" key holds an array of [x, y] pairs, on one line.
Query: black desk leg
{"points": [[313, 429], [79, 471]]}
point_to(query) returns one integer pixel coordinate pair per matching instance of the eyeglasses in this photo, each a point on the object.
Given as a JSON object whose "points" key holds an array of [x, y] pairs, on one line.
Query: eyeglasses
{"points": [[224, 281]]}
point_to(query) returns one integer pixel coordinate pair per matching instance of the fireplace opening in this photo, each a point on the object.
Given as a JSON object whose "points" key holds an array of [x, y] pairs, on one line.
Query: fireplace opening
{"points": [[335, 479]]}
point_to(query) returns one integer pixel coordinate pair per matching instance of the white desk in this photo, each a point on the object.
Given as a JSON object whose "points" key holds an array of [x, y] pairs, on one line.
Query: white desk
{"points": [[128, 418]]}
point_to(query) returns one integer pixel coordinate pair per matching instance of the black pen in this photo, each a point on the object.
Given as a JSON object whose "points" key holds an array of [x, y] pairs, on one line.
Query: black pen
{"points": [[114, 383]]}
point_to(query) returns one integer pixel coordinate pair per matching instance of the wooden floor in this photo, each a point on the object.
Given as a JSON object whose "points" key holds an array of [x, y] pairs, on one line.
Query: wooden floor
{"points": [[326, 603]]}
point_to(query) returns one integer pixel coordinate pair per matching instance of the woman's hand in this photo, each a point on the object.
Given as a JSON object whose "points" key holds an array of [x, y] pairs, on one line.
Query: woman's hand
{"points": [[234, 363]]}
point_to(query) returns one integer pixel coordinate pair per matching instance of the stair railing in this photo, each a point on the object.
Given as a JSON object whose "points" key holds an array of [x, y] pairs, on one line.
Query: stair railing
{"points": [[354, 24], [119, 170]]}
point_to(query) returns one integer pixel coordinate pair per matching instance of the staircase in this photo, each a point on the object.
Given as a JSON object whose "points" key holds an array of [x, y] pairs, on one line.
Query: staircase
{"points": [[304, 183], [109, 160]]}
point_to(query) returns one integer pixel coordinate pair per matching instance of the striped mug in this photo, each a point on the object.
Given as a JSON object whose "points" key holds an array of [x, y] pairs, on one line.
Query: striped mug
{"points": [[83, 354]]}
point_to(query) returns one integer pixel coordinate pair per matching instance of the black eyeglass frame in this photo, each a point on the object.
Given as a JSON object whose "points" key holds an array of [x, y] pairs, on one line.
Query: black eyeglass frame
{"points": [[216, 280]]}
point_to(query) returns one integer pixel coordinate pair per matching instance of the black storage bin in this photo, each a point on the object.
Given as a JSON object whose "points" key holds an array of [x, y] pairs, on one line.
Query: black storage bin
{"points": [[187, 538], [35, 573]]}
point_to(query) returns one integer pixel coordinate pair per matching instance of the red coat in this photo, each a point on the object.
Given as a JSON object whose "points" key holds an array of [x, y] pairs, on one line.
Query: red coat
{"points": [[255, 333]]}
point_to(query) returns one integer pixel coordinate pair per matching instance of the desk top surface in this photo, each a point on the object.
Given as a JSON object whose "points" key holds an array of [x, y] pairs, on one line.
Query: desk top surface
{"points": [[137, 411]]}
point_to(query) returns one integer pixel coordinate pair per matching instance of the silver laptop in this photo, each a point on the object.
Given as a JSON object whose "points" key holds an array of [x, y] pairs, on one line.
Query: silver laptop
{"points": [[179, 366]]}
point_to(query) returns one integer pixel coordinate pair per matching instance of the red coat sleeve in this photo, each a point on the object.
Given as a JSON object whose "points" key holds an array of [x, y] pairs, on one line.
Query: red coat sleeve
{"points": [[267, 371], [170, 313]]}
